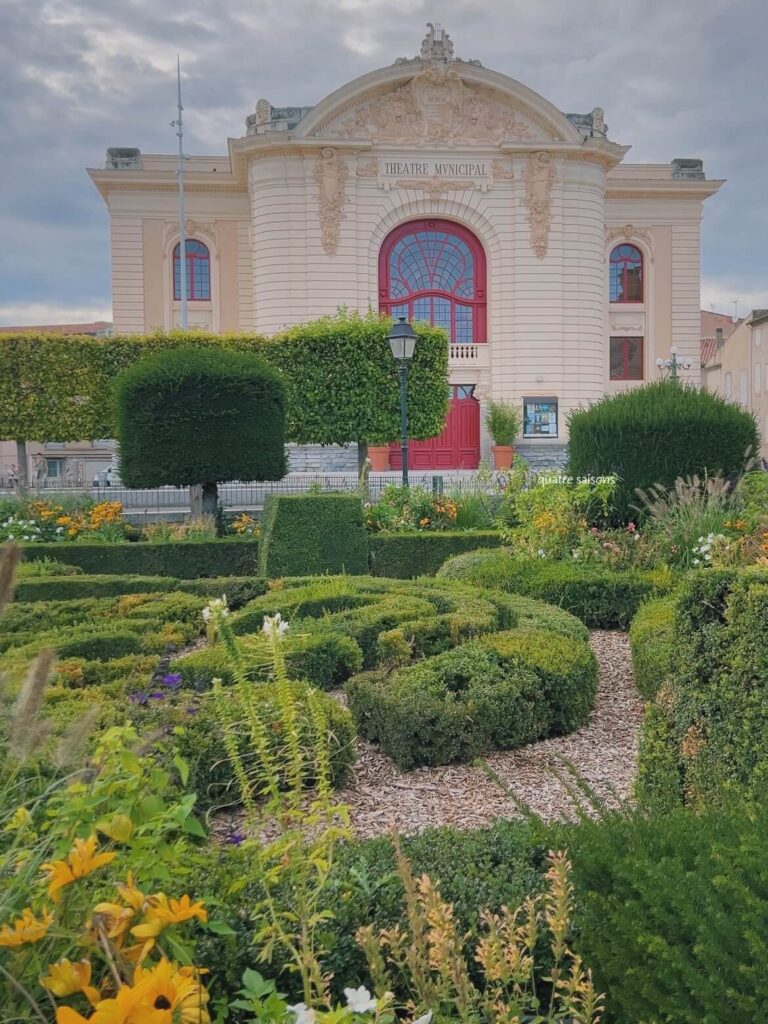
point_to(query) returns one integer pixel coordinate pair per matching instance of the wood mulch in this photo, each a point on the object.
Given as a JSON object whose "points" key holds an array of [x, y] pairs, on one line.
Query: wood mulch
{"points": [[381, 798]]}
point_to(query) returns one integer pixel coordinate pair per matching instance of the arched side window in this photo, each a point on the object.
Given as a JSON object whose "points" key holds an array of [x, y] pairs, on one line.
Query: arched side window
{"points": [[626, 274], [198, 261], [434, 270]]}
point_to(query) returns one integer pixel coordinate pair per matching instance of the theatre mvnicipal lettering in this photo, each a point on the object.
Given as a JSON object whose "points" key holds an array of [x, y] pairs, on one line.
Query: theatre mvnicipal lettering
{"points": [[438, 190]]}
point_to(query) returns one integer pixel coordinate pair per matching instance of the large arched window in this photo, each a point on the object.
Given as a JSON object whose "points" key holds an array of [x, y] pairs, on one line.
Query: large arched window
{"points": [[434, 270], [198, 261], [626, 274]]}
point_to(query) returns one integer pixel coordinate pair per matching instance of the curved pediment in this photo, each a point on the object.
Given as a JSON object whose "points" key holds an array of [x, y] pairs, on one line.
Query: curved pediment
{"points": [[437, 102]]}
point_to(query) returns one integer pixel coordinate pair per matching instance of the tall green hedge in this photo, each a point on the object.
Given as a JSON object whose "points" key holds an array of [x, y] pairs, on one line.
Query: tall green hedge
{"points": [[340, 379], [304, 534], [197, 416], [657, 433]]}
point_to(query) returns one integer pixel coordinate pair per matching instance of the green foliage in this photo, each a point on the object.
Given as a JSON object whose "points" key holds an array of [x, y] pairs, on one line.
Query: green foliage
{"points": [[340, 379], [69, 588], [196, 416], [501, 692], [503, 422], [672, 914], [113, 643], [229, 556], [652, 642], [319, 655], [706, 736], [602, 598], [303, 534], [406, 555], [656, 433]]}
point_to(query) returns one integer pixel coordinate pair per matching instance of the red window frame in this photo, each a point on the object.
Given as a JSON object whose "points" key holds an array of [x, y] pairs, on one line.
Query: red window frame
{"points": [[625, 369], [478, 303], [192, 258], [622, 266]]}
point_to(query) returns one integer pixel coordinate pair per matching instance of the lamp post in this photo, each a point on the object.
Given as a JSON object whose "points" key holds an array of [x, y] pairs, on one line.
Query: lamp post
{"points": [[402, 341], [669, 367]]}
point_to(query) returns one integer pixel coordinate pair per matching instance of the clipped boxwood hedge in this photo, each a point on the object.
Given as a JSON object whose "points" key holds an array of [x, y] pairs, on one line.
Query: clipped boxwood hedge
{"points": [[500, 692], [238, 589], [601, 597], [188, 560], [304, 534], [652, 643], [407, 555]]}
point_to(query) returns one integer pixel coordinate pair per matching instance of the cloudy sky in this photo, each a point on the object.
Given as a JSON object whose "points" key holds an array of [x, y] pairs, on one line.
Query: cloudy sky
{"points": [[676, 78]]}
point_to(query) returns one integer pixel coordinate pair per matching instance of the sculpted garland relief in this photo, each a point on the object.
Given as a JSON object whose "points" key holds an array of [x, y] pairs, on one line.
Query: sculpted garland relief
{"points": [[435, 106], [539, 179], [331, 176]]}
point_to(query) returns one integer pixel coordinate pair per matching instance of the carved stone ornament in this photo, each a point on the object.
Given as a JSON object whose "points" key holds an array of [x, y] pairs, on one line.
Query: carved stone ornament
{"points": [[370, 169], [331, 176], [539, 179], [436, 44], [624, 326], [192, 229], [501, 170], [434, 187], [435, 106], [628, 232]]}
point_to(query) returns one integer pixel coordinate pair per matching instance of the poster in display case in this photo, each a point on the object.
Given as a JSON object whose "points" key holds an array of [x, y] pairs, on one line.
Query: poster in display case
{"points": [[539, 417]]}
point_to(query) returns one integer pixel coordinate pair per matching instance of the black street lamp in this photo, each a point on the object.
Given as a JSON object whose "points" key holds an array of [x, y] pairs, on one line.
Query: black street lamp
{"points": [[402, 341]]}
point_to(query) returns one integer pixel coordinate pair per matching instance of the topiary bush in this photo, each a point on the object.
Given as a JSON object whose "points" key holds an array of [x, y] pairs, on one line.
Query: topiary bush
{"points": [[705, 737], [499, 692], [407, 555], [304, 534], [601, 597], [199, 416], [629, 435], [671, 913], [652, 643]]}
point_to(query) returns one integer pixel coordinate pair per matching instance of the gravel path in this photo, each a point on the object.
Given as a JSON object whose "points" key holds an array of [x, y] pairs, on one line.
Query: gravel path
{"points": [[382, 798]]}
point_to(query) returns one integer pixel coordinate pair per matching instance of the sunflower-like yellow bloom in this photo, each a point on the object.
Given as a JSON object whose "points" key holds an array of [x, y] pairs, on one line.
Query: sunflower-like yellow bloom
{"points": [[81, 861], [25, 929], [123, 1008], [174, 995], [65, 978], [163, 912]]}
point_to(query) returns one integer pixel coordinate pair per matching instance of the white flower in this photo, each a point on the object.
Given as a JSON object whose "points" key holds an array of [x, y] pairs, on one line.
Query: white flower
{"points": [[218, 604], [425, 1018], [542, 553], [10, 536], [360, 1000], [274, 624], [302, 1014], [697, 561]]}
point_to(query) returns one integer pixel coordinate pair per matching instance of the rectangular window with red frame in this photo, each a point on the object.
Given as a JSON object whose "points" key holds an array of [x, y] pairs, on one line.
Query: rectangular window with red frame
{"points": [[626, 360]]}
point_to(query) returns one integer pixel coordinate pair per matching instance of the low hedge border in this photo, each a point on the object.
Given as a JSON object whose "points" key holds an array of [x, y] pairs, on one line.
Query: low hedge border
{"points": [[185, 560], [238, 589], [601, 597], [407, 555], [652, 644]]}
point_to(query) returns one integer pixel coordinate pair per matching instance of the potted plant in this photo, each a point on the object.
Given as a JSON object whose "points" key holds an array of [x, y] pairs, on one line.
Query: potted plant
{"points": [[503, 423], [378, 456]]}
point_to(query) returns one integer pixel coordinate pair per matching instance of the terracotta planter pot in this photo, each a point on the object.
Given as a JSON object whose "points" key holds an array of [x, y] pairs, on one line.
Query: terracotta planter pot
{"points": [[379, 458], [503, 456]]}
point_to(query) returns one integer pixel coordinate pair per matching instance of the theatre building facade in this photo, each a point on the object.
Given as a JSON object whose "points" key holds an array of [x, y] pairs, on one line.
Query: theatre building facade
{"points": [[438, 190]]}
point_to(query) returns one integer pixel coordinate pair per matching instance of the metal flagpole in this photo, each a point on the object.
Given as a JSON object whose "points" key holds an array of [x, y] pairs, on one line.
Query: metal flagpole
{"points": [[178, 124]]}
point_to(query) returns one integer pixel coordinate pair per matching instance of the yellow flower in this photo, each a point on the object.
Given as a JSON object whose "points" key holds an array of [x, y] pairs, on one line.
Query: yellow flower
{"points": [[26, 928], [20, 821], [124, 1008], [81, 861], [175, 994], [65, 979]]}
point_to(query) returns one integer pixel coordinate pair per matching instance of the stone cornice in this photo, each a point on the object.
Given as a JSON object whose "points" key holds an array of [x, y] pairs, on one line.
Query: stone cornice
{"points": [[162, 181], [662, 188]]}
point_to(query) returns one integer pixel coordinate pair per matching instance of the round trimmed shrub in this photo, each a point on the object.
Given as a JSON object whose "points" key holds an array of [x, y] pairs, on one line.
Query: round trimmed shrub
{"points": [[499, 692], [601, 597], [656, 433], [200, 416]]}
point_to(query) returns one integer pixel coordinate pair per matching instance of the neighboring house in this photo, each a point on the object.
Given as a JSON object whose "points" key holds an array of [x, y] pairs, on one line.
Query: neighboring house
{"points": [[438, 190], [735, 365], [74, 462]]}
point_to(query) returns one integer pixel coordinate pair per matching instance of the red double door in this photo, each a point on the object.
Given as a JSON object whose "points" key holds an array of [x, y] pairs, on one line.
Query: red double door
{"points": [[434, 270], [458, 447]]}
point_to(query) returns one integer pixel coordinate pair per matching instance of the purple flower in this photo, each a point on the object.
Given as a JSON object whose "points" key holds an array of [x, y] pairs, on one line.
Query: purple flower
{"points": [[137, 697], [157, 695], [236, 838], [191, 710], [172, 681]]}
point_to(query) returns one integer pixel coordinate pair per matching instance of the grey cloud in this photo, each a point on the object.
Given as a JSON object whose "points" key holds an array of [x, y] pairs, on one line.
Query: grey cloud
{"points": [[676, 79]]}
